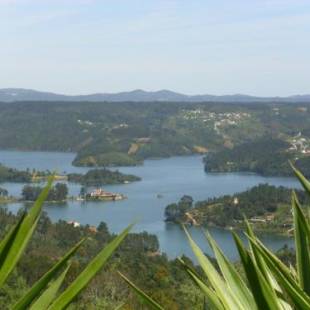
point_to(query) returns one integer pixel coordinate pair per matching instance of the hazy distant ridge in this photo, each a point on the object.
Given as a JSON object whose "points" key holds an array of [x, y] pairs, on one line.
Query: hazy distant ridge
{"points": [[19, 94]]}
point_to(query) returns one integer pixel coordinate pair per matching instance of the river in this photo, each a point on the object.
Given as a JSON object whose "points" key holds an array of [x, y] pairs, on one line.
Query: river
{"points": [[171, 178]]}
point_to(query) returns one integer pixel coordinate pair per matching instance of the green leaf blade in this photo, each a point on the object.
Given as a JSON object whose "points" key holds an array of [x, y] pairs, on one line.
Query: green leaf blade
{"points": [[35, 290], [302, 244], [234, 281], [89, 272], [48, 296], [23, 235], [147, 300]]}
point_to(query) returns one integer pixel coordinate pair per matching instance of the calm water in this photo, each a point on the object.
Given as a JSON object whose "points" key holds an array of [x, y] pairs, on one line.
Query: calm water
{"points": [[171, 178]]}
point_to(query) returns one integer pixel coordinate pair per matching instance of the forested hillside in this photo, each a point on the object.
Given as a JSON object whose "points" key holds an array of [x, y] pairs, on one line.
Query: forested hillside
{"points": [[265, 156], [267, 208], [139, 254], [107, 134]]}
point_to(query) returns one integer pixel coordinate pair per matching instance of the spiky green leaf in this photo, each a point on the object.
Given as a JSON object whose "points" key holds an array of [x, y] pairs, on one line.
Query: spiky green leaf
{"points": [[145, 299], [224, 294], [232, 278], [304, 182], [210, 293], [302, 244], [17, 245], [35, 290], [50, 293], [264, 294], [89, 272], [299, 298]]}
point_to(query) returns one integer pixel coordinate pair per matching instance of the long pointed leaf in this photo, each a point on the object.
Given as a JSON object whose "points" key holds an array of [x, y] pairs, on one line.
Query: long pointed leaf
{"points": [[297, 295], [210, 294], [234, 281], [143, 297], [23, 235], [48, 296], [302, 244], [263, 292], [120, 306], [304, 182], [89, 272], [7, 241], [28, 298], [217, 282], [260, 261]]}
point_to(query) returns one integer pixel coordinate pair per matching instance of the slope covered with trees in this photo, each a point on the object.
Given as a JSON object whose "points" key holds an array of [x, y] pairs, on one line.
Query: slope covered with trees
{"points": [[265, 156], [266, 207], [126, 133], [139, 254]]}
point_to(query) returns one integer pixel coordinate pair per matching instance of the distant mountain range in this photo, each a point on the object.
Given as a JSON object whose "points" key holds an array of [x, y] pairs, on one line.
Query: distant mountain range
{"points": [[19, 94]]}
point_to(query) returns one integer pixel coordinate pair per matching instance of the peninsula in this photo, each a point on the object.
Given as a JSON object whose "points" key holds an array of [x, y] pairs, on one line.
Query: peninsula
{"points": [[266, 207]]}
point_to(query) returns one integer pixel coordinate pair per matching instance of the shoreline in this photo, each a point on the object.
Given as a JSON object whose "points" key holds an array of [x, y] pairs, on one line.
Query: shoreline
{"points": [[235, 228]]}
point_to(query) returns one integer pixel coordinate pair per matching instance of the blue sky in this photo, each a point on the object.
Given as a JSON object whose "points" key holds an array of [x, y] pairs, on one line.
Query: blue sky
{"points": [[257, 47]]}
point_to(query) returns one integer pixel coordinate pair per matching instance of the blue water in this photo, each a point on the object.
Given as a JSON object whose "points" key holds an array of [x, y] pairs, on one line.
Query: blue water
{"points": [[171, 178]]}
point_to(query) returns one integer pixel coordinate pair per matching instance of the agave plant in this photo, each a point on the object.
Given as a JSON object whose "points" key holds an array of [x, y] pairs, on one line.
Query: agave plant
{"points": [[268, 283], [45, 293]]}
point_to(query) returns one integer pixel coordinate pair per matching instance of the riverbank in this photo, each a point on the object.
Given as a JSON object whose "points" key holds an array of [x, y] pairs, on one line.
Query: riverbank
{"points": [[267, 208]]}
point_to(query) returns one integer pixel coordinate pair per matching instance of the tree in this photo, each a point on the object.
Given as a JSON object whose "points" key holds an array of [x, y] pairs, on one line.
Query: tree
{"points": [[3, 192], [83, 191]]}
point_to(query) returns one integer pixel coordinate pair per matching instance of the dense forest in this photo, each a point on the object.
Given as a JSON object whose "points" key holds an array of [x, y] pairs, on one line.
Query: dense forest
{"points": [[92, 177], [267, 207], [107, 134], [14, 175], [265, 156], [165, 280], [57, 193]]}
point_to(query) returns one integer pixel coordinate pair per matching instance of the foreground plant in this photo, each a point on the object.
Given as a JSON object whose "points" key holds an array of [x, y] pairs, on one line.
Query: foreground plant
{"points": [[45, 293], [269, 283]]}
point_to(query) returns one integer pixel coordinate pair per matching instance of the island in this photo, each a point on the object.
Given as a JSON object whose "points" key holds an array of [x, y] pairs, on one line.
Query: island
{"points": [[93, 177], [13, 175], [58, 193], [100, 194], [97, 177], [267, 208]]}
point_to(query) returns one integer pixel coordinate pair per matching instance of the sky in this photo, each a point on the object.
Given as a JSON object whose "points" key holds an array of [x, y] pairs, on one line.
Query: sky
{"points": [[255, 47]]}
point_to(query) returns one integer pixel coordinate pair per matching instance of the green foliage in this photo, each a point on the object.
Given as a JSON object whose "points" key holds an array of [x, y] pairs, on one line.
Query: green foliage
{"points": [[143, 297], [35, 290], [265, 156], [58, 192], [54, 244], [3, 192], [105, 159], [101, 177], [13, 245], [14, 175], [266, 206], [175, 212], [272, 285], [15, 241], [102, 133], [269, 284], [88, 273]]}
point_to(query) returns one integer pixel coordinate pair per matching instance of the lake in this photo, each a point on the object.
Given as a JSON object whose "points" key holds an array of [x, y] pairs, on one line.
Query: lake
{"points": [[171, 178]]}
